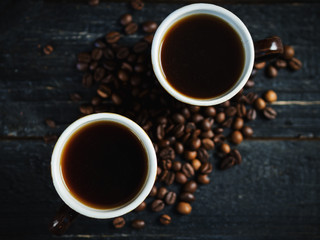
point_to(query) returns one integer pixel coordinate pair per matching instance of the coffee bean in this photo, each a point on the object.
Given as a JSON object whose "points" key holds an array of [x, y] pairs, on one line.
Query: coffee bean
{"points": [[251, 96], [116, 99], [202, 155], [197, 117], [181, 178], [207, 143], [207, 134], [271, 71], [250, 83], [190, 187], [184, 208], [138, 224], [295, 64], [220, 117], [159, 171], [140, 47], [153, 191], [190, 127], [122, 53], [259, 104], [165, 219], [237, 123], [187, 197], [149, 26], [96, 54], [225, 104], [236, 137], [231, 111], [160, 132], [131, 28], [126, 19], [269, 113], [99, 44], [194, 143], [219, 138], [206, 168], [99, 74], [187, 169], [260, 65], [170, 198], [93, 65], [50, 123], [288, 52], [196, 164], [170, 177], [141, 207], [108, 53], [227, 162], [247, 131], [113, 37], [123, 75], [178, 118], [162, 191], [251, 114], [167, 153], [225, 148], [194, 109], [178, 130], [119, 222], [186, 113], [237, 156], [203, 179], [270, 96], [280, 63], [137, 4], [93, 2], [86, 109], [241, 110], [157, 205], [207, 123], [103, 91], [82, 66], [179, 147], [75, 97], [210, 111], [48, 49], [227, 123]]}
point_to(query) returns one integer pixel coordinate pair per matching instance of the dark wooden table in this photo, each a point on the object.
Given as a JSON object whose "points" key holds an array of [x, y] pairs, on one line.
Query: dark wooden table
{"points": [[274, 194]]}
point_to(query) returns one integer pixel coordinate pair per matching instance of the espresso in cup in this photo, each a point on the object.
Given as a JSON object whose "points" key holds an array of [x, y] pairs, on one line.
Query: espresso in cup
{"points": [[104, 165], [202, 56]]}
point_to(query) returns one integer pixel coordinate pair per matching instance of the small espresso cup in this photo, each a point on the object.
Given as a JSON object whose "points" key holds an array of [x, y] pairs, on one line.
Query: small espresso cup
{"points": [[77, 205], [258, 51]]}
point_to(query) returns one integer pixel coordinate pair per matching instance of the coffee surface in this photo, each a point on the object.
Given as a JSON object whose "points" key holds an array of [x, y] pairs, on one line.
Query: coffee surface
{"points": [[202, 56], [104, 165]]}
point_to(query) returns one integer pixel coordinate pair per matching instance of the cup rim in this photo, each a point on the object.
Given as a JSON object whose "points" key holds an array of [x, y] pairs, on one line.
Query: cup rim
{"points": [[226, 15], [74, 203]]}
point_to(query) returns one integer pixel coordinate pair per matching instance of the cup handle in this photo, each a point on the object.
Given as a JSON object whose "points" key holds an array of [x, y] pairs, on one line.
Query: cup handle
{"points": [[62, 220], [268, 49]]}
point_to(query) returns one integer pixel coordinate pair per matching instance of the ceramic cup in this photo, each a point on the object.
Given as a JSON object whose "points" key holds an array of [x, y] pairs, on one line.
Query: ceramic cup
{"points": [[258, 51], [75, 204]]}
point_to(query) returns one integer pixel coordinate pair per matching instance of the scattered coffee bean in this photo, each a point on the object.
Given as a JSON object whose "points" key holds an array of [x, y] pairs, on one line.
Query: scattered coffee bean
{"points": [[189, 155], [196, 164], [86, 109], [225, 148], [157, 205], [113, 37], [170, 198], [75, 97], [187, 169], [237, 123], [270, 96], [269, 113], [181, 178], [237, 156], [271, 71], [149, 26], [131, 28], [250, 83], [138, 224], [184, 208], [280, 63], [179, 147], [162, 191], [126, 19], [137, 4], [251, 114], [288, 52], [206, 168], [207, 143], [259, 104], [176, 166], [227, 162], [153, 191], [295, 64], [190, 186], [260, 65], [141, 207], [220, 117], [203, 179], [165, 219], [187, 197], [119, 222], [247, 131], [50, 123], [48, 49], [236, 137]]}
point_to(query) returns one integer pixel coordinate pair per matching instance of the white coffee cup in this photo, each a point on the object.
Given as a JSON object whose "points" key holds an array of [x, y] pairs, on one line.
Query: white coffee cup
{"points": [[62, 188], [265, 48]]}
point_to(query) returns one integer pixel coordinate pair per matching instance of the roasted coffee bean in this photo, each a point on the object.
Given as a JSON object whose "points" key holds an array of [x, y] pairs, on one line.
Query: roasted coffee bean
{"points": [[50, 123], [149, 26], [186, 113], [269, 113], [159, 171], [206, 168], [190, 127], [162, 191], [75, 97], [259, 104], [103, 91], [207, 134], [194, 143], [247, 131], [260, 65], [164, 175], [126, 19], [138, 224], [288, 52], [48, 49], [227, 162], [139, 68], [196, 164], [197, 117], [250, 83], [219, 138], [116, 99], [126, 66], [99, 44], [141, 207], [187, 197], [82, 66], [135, 80], [95, 101], [165, 219], [270, 96], [237, 156], [148, 38], [164, 143], [190, 186], [108, 53], [181, 178], [169, 179], [184, 208], [119, 222], [170, 198], [167, 153], [251, 96], [131, 28], [122, 53], [137, 4], [227, 123], [225, 104], [202, 155], [140, 47], [187, 169], [160, 132], [86, 109], [113, 37], [194, 108], [220, 117], [178, 130], [153, 192], [93, 65], [123, 75], [157, 205], [176, 166], [210, 111], [179, 147], [295, 64], [271, 71], [93, 2], [237, 123], [99, 73], [241, 110], [236, 137], [280, 63], [207, 143], [96, 54], [225, 148], [231, 111], [178, 118], [251, 114], [207, 123], [203, 179]]}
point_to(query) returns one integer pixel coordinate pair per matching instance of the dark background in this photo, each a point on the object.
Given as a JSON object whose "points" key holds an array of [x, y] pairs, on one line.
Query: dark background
{"points": [[274, 194]]}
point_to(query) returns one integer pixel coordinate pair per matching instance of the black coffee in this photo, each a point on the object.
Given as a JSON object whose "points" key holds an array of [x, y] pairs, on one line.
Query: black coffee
{"points": [[104, 165], [202, 56]]}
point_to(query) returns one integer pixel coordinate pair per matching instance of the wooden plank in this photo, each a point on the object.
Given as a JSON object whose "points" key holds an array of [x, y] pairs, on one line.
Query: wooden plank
{"points": [[274, 194]]}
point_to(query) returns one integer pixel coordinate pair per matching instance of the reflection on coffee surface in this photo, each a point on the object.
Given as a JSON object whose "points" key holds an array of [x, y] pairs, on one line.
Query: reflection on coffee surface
{"points": [[202, 56], [104, 165]]}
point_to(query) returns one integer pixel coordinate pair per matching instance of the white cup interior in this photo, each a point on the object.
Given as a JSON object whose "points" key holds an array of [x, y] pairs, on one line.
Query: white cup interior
{"points": [[235, 23], [62, 188]]}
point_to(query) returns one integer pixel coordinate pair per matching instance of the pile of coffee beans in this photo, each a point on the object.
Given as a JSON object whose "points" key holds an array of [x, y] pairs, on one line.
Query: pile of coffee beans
{"points": [[183, 135]]}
